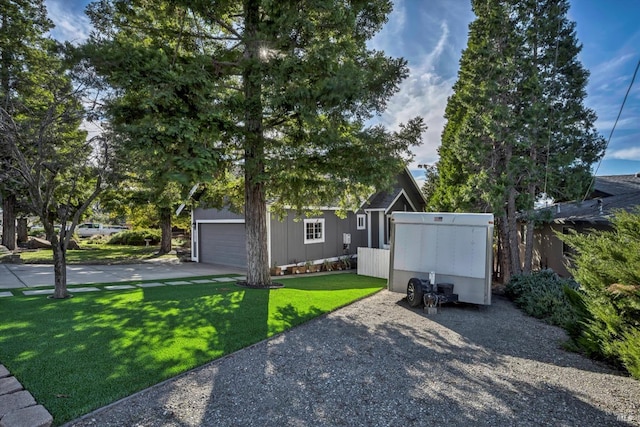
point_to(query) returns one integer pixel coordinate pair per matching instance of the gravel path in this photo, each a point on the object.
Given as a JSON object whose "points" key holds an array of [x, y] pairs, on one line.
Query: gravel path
{"points": [[379, 363]]}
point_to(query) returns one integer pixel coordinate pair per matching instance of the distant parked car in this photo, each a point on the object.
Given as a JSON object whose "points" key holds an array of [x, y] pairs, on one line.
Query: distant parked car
{"points": [[89, 229]]}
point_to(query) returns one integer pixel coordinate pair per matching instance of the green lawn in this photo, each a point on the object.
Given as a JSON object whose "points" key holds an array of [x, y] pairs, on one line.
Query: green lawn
{"points": [[79, 354], [94, 254]]}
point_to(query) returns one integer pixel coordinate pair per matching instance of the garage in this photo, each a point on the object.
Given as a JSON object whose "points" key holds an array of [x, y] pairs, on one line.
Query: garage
{"points": [[223, 244]]}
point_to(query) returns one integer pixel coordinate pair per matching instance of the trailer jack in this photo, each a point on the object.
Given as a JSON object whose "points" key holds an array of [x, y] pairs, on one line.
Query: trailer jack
{"points": [[422, 291]]}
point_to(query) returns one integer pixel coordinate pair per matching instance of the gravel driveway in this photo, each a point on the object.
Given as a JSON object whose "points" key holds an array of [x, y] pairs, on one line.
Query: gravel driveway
{"points": [[380, 363]]}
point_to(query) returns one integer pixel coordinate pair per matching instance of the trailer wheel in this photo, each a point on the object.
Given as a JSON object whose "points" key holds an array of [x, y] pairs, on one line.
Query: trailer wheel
{"points": [[414, 292]]}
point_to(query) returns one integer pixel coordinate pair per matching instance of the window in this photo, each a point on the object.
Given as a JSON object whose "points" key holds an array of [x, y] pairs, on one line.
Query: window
{"points": [[362, 222], [313, 230]]}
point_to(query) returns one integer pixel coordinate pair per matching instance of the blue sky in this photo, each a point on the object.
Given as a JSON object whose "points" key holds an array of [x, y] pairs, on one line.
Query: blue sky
{"points": [[431, 36]]}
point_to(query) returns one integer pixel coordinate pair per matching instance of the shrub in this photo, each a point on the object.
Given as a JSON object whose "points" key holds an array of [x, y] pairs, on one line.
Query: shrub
{"points": [[136, 237], [607, 266], [97, 239], [543, 294]]}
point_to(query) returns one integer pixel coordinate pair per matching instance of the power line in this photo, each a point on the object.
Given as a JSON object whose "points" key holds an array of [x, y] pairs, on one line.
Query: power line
{"points": [[614, 127]]}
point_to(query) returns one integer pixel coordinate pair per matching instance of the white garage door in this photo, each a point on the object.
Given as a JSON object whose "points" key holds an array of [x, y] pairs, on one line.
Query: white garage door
{"points": [[223, 244]]}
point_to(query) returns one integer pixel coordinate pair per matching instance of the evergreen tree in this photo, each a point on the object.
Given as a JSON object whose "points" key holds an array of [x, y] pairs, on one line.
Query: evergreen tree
{"points": [[516, 123], [161, 102], [430, 182], [558, 129], [606, 263], [289, 87], [22, 25]]}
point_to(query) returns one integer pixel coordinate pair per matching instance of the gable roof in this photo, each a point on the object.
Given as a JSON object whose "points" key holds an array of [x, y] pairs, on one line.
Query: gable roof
{"points": [[610, 193], [614, 185], [383, 200], [404, 185]]}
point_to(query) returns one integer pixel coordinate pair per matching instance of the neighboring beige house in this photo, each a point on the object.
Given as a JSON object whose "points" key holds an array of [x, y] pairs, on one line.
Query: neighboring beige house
{"points": [[610, 193]]}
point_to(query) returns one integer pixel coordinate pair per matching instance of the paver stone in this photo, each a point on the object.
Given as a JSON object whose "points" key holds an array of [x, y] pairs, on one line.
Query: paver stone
{"points": [[9, 385], [33, 416], [14, 401]]}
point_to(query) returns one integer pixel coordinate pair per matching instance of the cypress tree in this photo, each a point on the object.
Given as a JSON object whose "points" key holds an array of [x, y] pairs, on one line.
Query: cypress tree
{"points": [[516, 122]]}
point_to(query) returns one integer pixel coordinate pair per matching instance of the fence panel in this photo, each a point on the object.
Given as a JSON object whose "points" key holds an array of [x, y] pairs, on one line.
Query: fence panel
{"points": [[373, 262]]}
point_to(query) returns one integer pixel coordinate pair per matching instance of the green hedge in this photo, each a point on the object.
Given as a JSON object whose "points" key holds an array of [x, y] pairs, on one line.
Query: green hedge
{"points": [[543, 294], [136, 237], [607, 266]]}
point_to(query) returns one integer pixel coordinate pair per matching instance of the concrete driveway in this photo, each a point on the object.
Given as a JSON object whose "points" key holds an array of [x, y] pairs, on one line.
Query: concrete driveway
{"points": [[13, 276]]}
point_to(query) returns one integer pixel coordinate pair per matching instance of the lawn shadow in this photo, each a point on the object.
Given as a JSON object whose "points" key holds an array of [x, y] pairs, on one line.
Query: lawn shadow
{"points": [[371, 364], [156, 333]]}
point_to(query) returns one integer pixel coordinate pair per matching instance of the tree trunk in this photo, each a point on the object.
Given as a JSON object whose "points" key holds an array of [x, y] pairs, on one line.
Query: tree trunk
{"points": [[165, 227], [22, 230], [496, 255], [256, 227], [9, 199], [254, 178], [505, 257], [59, 267], [499, 263], [9, 222], [512, 234], [528, 247]]}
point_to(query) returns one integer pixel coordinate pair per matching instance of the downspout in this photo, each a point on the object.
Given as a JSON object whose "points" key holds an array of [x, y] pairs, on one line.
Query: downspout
{"points": [[269, 236], [368, 228], [194, 238]]}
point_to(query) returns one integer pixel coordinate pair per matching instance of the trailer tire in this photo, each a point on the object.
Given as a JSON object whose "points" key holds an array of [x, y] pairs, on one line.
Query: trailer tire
{"points": [[414, 292]]}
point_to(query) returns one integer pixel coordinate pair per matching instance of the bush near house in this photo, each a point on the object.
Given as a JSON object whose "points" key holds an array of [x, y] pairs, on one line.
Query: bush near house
{"points": [[136, 237], [602, 315], [607, 266], [543, 294]]}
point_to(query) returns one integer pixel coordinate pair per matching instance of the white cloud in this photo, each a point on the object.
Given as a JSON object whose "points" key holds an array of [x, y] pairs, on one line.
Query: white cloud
{"points": [[632, 153], [424, 93], [70, 25], [604, 70], [431, 36], [605, 126], [390, 39]]}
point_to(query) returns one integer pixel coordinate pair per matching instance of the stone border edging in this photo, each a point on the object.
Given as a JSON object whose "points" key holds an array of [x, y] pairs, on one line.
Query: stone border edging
{"points": [[18, 408]]}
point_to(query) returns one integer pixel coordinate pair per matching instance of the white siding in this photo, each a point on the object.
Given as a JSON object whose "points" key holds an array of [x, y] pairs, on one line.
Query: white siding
{"points": [[373, 262]]}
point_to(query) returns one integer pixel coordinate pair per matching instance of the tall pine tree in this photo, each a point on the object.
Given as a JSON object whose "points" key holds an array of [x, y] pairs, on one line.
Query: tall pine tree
{"points": [[293, 85], [161, 100], [516, 123], [22, 26]]}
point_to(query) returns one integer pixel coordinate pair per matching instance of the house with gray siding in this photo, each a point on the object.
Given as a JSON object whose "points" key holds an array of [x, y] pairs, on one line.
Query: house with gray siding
{"points": [[610, 193], [405, 196], [218, 235]]}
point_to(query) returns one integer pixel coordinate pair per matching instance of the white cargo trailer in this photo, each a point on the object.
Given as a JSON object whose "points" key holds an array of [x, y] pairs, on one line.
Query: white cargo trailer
{"points": [[442, 248]]}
